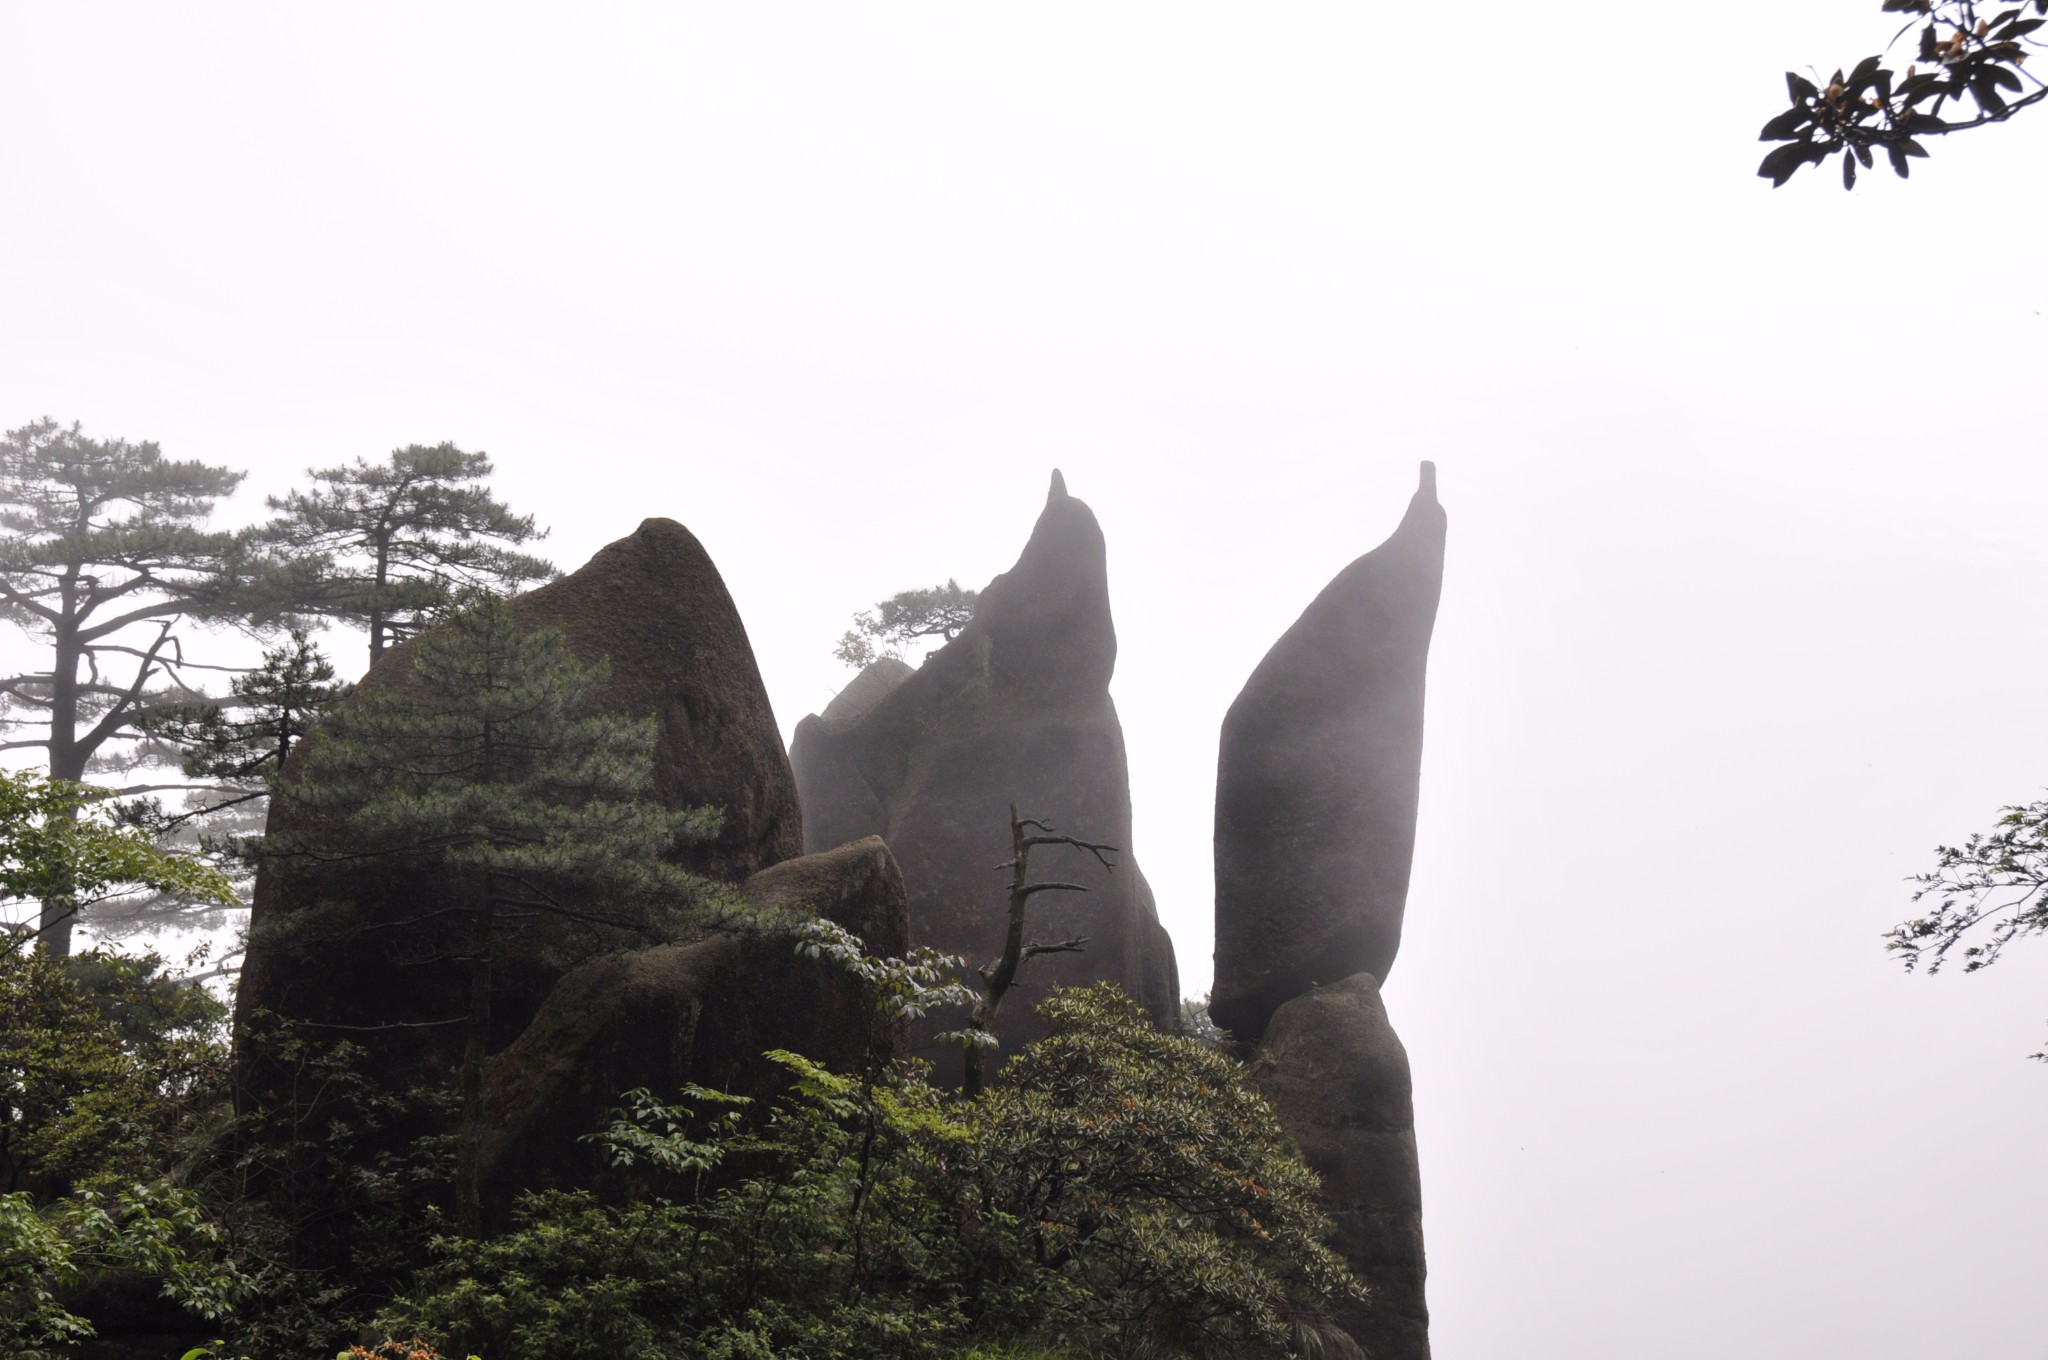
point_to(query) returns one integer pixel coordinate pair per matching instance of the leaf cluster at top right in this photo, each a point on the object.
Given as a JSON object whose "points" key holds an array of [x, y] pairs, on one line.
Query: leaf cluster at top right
{"points": [[1964, 53]]}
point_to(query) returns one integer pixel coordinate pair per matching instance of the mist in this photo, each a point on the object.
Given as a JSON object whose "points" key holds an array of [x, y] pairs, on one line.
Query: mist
{"points": [[1743, 490]]}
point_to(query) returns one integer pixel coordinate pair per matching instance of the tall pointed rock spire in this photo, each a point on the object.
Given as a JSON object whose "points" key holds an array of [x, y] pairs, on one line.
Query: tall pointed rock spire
{"points": [[1318, 779]]}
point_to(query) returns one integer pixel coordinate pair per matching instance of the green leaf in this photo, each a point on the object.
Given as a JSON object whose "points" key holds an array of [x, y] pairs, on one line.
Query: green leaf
{"points": [[1848, 172], [1799, 87]]}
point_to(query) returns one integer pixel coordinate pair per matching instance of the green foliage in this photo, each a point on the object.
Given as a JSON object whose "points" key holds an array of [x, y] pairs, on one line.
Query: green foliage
{"points": [[1144, 1168], [59, 846], [103, 557], [806, 1256], [1123, 1193], [331, 1191], [103, 1062], [152, 1229], [233, 748], [243, 742], [106, 1066], [486, 810], [393, 545], [1964, 52], [904, 988], [1988, 892], [903, 618], [487, 798]]}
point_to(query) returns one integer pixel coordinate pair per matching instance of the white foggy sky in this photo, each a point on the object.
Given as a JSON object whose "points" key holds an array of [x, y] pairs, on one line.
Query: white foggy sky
{"points": [[1741, 610]]}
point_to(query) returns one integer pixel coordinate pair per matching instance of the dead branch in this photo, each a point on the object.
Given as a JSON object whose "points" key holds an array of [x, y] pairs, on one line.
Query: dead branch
{"points": [[1000, 976]]}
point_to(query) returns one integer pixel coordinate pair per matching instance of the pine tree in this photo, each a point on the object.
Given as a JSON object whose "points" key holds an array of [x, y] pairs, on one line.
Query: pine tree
{"points": [[104, 557], [484, 811], [395, 543], [233, 750], [896, 623], [240, 744]]}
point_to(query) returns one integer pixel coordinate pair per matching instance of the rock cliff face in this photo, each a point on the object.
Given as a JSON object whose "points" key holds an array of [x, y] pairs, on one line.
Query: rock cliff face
{"points": [[1015, 709], [654, 605], [1337, 1075], [702, 1012], [1317, 788], [1318, 779]]}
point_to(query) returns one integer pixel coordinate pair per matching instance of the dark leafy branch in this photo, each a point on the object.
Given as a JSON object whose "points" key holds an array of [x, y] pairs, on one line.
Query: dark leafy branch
{"points": [[1987, 892], [1967, 71]]}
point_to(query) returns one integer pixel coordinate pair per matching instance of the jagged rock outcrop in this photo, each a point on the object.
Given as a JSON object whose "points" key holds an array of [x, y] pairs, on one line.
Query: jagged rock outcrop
{"points": [[1318, 779], [701, 1012], [1337, 1075], [654, 605], [1015, 709]]}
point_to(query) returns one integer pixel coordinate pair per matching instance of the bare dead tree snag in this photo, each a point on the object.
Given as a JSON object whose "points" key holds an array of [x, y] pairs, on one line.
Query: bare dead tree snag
{"points": [[1026, 833]]}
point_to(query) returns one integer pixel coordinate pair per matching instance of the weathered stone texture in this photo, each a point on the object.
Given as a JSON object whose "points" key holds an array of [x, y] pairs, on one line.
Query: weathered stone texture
{"points": [[654, 603], [1015, 709], [1337, 1075], [701, 1012], [1318, 779]]}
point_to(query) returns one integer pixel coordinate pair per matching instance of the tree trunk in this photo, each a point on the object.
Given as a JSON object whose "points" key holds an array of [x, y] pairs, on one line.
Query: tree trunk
{"points": [[997, 979], [59, 913], [377, 599], [469, 1211], [995, 983]]}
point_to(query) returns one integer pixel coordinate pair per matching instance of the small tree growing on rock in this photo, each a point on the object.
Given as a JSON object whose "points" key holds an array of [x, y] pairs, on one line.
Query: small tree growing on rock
{"points": [[903, 618]]}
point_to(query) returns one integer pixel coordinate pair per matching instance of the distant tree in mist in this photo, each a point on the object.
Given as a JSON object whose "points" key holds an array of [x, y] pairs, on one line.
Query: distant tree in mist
{"points": [[231, 749], [391, 545], [1967, 71], [1988, 892], [903, 618], [105, 560]]}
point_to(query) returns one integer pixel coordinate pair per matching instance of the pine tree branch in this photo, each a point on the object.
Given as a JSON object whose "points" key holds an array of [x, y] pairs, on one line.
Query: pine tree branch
{"points": [[164, 609], [118, 717]]}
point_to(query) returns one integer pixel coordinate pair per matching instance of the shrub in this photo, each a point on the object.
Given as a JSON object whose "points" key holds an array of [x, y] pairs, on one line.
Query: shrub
{"points": [[1123, 1191]]}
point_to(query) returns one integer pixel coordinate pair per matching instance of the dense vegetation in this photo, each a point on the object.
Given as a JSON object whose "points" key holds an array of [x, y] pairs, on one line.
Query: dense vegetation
{"points": [[1121, 1190]]}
